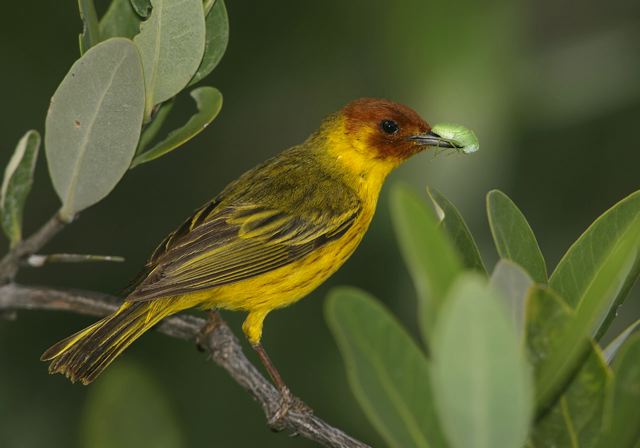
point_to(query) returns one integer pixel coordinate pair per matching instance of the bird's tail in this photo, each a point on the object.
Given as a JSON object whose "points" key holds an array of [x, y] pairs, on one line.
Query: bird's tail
{"points": [[84, 355]]}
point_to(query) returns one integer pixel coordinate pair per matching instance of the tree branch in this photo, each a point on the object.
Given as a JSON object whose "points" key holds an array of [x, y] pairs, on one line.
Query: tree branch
{"points": [[218, 341], [214, 337]]}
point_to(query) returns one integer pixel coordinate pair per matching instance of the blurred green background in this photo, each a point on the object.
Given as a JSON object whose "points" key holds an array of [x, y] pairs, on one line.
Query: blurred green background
{"points": [[551, 89]]}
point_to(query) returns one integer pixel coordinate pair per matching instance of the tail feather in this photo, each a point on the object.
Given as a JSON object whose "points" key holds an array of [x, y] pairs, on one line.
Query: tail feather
{"points": [[84, 355]]}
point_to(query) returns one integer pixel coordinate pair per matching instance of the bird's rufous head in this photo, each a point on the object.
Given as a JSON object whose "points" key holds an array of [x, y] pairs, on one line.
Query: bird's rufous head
{"points": [[388, 131]]}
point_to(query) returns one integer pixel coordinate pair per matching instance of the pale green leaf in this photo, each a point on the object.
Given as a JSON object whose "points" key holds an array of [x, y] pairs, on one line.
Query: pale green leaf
{"points": [[546, 317], [217, 38], [120, 20], [456, 228], [171, 44], [153, 127], [480, 377], [577, 418], [207, 5], [91, 31], [513, 236], [569, 346], [431, 258], [388, 373], [623, 424], [128, 409], [575, 272], [513, 284], [613, 347], [209, 102], [16, 185], [93, 124], [141, 7]]}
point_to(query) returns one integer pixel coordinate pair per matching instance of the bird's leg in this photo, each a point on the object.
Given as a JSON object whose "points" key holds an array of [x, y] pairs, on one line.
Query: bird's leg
{"points": [[273, 372], [252, 328], [286, 397]]}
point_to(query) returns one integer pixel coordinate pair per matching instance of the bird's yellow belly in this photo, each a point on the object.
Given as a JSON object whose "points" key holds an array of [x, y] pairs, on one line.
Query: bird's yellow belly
{"points": [[289, 283]]}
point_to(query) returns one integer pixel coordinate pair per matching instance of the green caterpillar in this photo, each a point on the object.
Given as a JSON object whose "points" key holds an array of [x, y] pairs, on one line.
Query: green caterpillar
{"points": [[462, 138]]}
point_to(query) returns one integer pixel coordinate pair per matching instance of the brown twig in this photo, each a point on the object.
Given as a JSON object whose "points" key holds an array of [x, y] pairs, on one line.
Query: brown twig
{"points": [[218, 341]]}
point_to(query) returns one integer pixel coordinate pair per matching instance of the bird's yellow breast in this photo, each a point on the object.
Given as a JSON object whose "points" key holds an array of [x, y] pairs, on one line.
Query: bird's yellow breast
{"points": [[288, 284]]}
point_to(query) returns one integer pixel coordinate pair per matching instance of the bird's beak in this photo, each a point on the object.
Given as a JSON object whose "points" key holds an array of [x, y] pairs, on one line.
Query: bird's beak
{"points": [[432, 139]]}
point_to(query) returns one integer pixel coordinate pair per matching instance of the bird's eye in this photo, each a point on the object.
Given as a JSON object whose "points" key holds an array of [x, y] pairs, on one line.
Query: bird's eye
{"points": [[389, 126]]}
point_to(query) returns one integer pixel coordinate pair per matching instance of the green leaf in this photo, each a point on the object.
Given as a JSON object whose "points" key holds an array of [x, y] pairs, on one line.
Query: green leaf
{"points": [[546, 317], [623, 425], [613, 347], [128, 409], [431, 258], [480, 377], [209, 102], [388, 373], [577, 418], [513, 236], [153, 127], [575, 272], [171, 44], [217, 38], [458, 231], [91, 32], [207, 5], [513, 284], [142, 7], [571, 343], [93, 124], [120, 20], [16, 185]]}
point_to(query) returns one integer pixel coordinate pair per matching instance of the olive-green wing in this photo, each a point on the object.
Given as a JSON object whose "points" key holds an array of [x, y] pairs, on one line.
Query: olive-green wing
{"points": [[223, 244]]}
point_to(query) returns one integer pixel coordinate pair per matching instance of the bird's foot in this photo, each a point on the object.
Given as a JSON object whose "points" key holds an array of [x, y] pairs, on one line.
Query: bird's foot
{"points": [[214, 319], [288, 402]]}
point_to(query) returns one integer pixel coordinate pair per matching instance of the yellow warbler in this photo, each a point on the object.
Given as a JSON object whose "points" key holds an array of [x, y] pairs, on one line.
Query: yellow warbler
{"points": [[271, 237]]}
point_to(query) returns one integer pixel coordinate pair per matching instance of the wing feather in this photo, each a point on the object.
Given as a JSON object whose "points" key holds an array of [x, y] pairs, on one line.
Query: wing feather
{"points": [[225, 249], [271, 216]]}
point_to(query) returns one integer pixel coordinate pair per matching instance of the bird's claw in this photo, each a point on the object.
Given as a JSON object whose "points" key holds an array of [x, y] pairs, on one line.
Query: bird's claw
{"points": [[288, 402], [212, 323]]}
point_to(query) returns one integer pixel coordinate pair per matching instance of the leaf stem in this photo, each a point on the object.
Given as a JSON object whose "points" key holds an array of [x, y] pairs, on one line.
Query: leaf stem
{"points": [[37, 260], [10, 263]]}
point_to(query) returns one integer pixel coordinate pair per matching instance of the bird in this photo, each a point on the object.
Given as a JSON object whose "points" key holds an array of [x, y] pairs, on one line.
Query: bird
{"points": [[268, 239]]}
